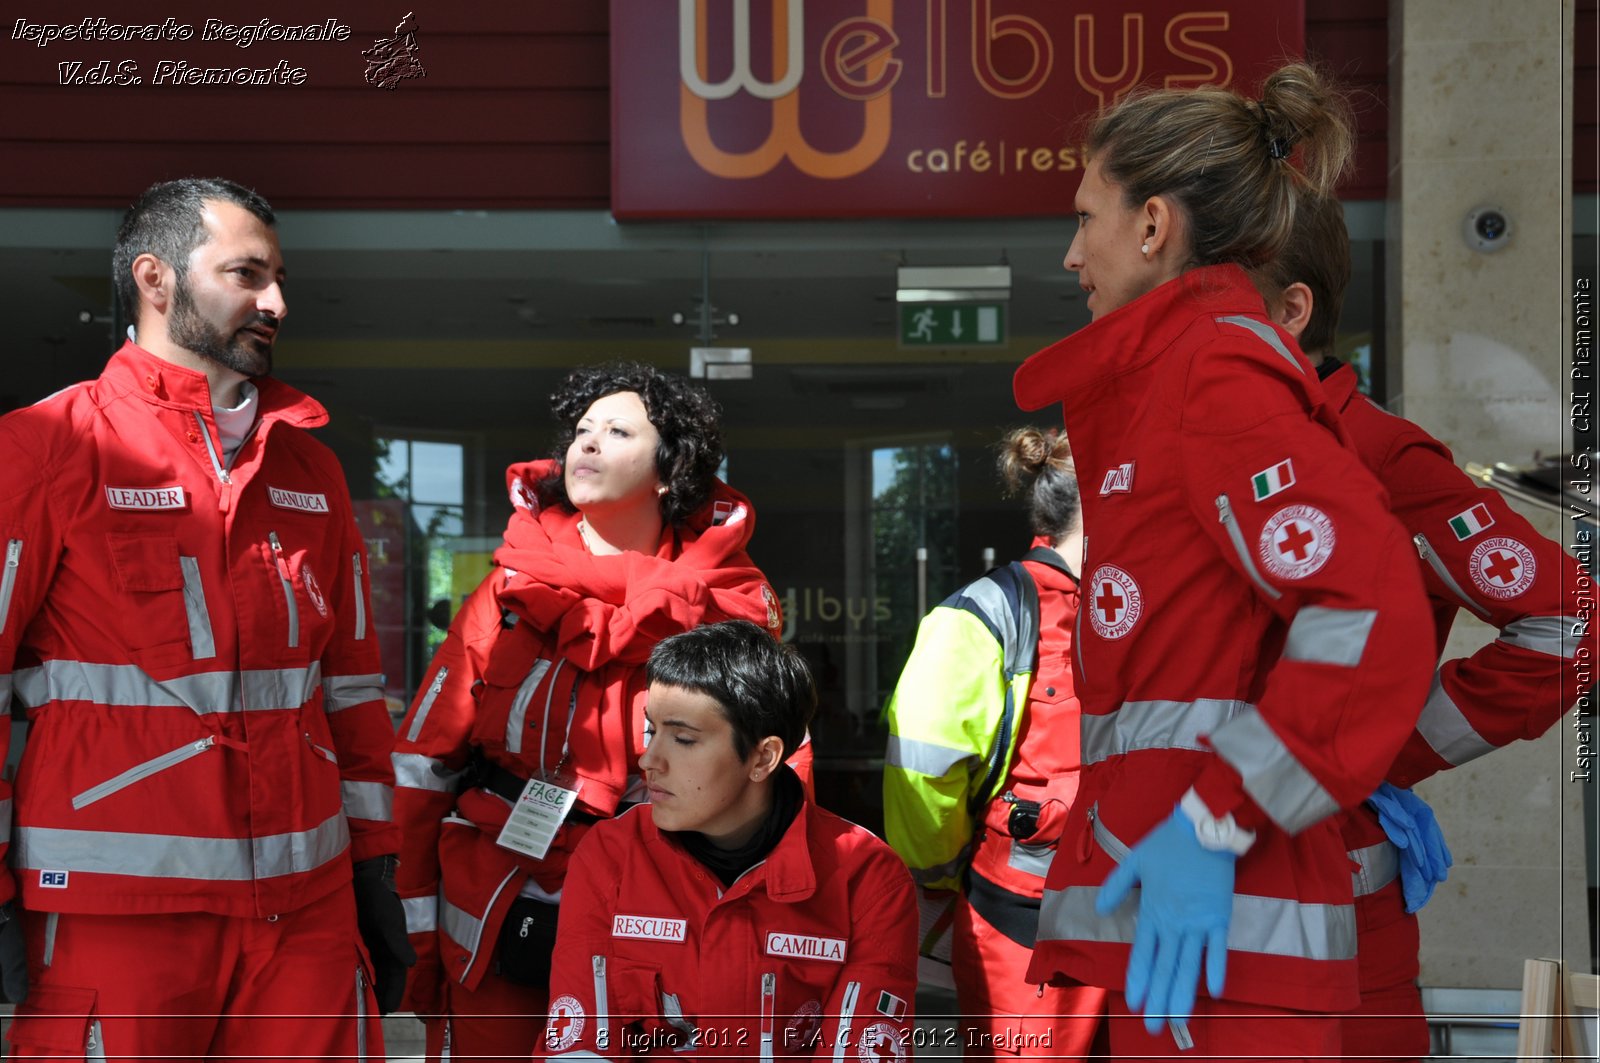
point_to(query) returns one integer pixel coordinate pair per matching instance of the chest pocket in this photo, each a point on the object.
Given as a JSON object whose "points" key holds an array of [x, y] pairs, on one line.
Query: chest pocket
{"points": [[525, 700], [303, 583], [169, 616]]}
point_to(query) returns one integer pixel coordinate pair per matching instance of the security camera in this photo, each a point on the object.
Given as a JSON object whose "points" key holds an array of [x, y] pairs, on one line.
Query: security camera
{"points": [[1486, 229]]}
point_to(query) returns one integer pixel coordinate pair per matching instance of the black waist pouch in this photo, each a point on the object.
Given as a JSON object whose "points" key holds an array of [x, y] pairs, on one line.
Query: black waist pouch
{"points": [[527, 940]]}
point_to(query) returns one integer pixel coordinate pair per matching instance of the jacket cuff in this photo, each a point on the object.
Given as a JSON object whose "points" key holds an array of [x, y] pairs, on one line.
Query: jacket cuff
{"points": [[1221, 788]]}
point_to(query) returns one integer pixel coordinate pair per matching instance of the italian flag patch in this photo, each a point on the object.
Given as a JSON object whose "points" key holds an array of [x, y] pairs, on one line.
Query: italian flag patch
{"points": [[891, 1006], [1470, 522], [1269, 482]]}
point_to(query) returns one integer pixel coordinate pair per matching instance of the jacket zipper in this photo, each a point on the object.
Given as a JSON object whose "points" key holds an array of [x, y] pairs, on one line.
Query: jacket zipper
{"points": [[847, 1008], [95, 1046], [361, 1016], [211, 450], [1077, 614], [602, 1021], [327, 754], [142, 771], [361, 601], [1102, 834], [8, 582], [1435, 562], [427, 702], [288, 589], [1225, 515], [769, 991]]}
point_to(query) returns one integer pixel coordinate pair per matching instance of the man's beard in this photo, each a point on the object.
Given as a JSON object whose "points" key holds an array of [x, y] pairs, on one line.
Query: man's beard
{"points": [[241, 352]]}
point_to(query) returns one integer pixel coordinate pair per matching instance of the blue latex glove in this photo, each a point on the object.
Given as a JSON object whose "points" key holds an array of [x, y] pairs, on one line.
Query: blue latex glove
{"points": [[1424, 857], [1185, 903]]}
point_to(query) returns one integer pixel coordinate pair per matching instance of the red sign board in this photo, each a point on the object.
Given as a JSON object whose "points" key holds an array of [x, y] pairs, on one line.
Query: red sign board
{"points": [[839, 108]]}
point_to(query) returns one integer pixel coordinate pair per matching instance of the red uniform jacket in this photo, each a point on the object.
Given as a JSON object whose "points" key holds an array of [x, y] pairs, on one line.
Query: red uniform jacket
{"points": [[811, 953], [1247, 628], [191, 643], [543, 670], [1481, 555]]}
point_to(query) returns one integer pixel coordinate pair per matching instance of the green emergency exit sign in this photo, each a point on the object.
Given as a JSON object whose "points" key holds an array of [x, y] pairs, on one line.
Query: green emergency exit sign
{"points": [[952, 324]]}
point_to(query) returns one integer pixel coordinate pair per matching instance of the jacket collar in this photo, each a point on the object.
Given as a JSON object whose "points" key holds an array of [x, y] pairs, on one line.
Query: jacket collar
{"points": [[1132, 336], [135, 371], [1340, 386]]}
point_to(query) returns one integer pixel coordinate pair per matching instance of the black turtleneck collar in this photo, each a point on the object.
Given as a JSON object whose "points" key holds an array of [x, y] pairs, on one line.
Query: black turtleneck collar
{"points": [[729, 864]]}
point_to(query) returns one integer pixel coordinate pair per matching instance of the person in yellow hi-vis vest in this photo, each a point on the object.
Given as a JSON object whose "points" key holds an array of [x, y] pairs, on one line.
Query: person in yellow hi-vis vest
{"points": [[983, 763]]}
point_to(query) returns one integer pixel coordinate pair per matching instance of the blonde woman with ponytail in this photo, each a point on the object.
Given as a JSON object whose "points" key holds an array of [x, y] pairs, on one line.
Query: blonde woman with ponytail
{"points": [[1250, 606]]}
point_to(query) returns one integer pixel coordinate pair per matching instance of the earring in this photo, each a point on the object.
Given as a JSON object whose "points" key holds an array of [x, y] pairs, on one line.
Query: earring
{"points": [[1144, 249]]}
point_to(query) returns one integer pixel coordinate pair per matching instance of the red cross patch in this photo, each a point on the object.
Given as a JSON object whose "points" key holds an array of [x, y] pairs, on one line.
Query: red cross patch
{"points": [[880, 1043], [1502, 568], [565, 1024], [1113, 600], [1296, 541]]}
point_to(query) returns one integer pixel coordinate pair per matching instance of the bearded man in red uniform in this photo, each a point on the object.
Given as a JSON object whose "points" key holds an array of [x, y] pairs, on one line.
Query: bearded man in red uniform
{"points": [[184, 621]]}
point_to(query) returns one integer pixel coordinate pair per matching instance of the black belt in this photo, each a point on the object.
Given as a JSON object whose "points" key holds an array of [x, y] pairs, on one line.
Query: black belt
{"points": [[1015, 916], [483, 774]]}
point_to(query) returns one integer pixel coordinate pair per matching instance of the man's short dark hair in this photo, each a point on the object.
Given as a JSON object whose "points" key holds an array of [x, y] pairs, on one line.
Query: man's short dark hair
{"points": [[165, 221], [764, 687], [1318, 256]]}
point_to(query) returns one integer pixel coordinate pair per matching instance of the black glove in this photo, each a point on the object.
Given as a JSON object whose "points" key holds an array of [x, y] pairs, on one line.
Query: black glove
{"points": [[382, 921], [13, 955]]}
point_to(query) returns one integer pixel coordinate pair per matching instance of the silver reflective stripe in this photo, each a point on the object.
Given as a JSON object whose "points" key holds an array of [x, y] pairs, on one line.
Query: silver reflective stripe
{"points": [[8, 579], [1236, 537], [367, 800], [1280, 784], [948, 869], [323, 751], [422, 914], [129, 686], [1319, 635], [464, 928], [847, 1010], [427, 702], [1271, 925], [1556, 636], [95, 1047], [602, 1005], [201, 639], [50, 922], [5, 694], [924, 758], [423, 773], [1446, 729], [5, 821], [1265, 333], [361, 599], [991, 601], [1154, 725], [1435, 562], [361, 1016], [461, 927], [769, 990], [1031, 859], [340, 692], [141, 771], [516, 722], [1378, 865], [180, 856]]}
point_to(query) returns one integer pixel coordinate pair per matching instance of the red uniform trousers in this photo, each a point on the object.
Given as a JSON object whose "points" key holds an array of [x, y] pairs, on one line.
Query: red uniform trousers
{"points": [[192, 985], [1001, 1013], [499, 1022], [1389, 1026], [1228, 1030]]}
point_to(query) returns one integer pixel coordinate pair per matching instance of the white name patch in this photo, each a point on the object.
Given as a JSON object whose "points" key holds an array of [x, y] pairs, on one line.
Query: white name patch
{"points": [[301, 500], [799, 946], [648, 927], [146, 497]]}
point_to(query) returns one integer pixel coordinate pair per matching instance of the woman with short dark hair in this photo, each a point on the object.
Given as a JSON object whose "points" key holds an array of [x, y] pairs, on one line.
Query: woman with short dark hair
{"points": [[731, 916], [1249, 603], [530, 723]]}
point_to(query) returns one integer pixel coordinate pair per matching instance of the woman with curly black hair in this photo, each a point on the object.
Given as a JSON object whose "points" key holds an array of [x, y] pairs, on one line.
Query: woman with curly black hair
{"points": [[530, 724]]}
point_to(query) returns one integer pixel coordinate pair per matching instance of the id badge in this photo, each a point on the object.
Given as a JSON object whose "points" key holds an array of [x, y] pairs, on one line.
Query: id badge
{"points": [[540, 810]]}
